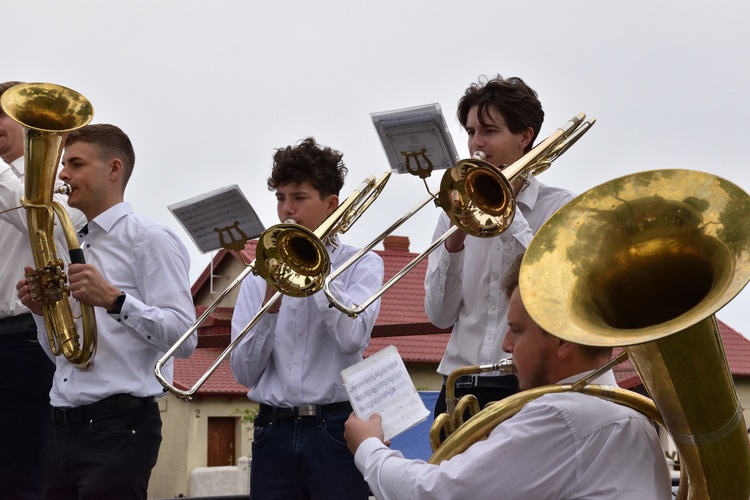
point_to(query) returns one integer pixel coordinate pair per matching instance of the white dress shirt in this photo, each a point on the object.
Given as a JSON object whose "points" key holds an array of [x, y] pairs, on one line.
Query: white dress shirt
{"points": [[295, 356], [150, 264], [559, 446], [14, 235], [464, 289]]}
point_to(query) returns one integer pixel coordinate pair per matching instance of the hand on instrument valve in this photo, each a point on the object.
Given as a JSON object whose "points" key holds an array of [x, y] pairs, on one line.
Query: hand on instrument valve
{"points": [[89, 286], [23, 290], [357, 430]]}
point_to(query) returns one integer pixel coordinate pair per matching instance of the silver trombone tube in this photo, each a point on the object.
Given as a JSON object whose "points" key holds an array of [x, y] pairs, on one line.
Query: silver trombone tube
{"points": [[356, 309], [298, 280], [188, 395]]}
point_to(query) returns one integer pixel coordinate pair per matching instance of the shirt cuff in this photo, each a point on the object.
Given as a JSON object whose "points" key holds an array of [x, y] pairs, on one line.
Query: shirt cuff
{"points": [[368, 446]]}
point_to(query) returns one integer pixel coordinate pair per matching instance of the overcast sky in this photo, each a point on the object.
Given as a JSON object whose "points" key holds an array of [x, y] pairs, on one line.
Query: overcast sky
{"points": [[207, 89]]}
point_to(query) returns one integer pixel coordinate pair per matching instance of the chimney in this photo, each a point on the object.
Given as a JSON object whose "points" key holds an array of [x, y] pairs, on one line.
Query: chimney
{"points": [[396, 243]]}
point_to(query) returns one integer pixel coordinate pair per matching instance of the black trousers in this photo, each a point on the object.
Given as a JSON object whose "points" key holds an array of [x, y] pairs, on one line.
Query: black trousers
{"points": [[25, 381], [484, 394], [109, 456]]}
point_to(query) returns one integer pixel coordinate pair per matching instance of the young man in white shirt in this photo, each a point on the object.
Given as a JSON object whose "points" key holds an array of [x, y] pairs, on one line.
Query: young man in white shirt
{"points": [[25, 370], [294, 355], [106, 423], [559, 446], [502, 118]]}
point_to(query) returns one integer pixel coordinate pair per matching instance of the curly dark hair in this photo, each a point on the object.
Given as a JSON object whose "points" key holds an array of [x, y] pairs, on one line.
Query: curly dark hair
{"points": [[512, 98], [308, 161]]}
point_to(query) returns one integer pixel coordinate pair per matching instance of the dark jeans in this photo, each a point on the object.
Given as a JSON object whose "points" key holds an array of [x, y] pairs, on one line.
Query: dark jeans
{"points": [[304, 458], [25, 381], [110, 456]]}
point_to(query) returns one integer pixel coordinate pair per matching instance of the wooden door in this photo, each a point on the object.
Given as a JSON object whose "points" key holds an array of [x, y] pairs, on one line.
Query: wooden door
{"points": [[221, 441]]}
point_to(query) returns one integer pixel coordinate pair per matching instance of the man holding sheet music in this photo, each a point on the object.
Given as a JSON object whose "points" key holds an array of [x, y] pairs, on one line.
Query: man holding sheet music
{"points": [[503, 118], [561, 445], [293, 357]]}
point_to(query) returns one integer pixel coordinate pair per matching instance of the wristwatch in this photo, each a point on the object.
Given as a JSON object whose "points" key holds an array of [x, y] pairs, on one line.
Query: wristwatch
{"points": [[117, 305]]}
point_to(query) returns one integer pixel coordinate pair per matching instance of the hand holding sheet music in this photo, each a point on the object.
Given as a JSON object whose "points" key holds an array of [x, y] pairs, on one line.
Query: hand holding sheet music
{"points": [[381, 384]]}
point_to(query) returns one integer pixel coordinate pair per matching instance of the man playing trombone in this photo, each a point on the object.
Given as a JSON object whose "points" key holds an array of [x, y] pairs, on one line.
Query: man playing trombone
{"points": [[293, 356], [503, 118], [558, 446]]}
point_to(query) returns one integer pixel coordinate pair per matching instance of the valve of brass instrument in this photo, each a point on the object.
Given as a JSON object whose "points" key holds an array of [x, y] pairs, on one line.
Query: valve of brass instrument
{"points": [[48, 284]]}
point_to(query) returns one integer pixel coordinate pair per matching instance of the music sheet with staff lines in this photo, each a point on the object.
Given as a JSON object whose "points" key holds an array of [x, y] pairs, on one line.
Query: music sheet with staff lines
{"points": [[381, 384]]}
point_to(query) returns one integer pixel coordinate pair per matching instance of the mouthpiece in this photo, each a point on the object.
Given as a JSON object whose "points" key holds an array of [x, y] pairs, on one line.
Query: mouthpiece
{"points": [[64, 189], [504, 366]]}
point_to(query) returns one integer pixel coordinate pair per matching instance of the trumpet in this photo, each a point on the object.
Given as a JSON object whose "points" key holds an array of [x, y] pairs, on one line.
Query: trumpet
{"points": [[478, 198], [293, 260]]}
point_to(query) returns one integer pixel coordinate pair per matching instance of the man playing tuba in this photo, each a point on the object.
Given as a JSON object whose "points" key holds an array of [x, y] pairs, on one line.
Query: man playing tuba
{"points": [[564, 445]]}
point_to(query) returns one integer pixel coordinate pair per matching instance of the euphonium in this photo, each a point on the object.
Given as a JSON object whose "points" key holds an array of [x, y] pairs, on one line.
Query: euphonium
{"points": [[645, 261], [47, 112]]}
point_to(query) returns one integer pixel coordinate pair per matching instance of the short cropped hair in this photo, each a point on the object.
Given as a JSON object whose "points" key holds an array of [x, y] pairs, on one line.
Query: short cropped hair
{"points": [[308, 161], [111, 142], [510, 283], [512, 98]]}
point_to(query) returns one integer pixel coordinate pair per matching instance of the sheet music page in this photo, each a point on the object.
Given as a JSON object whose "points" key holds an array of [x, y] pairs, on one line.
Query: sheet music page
{"points": [[222, 218], [381, 384], [415, 138]]}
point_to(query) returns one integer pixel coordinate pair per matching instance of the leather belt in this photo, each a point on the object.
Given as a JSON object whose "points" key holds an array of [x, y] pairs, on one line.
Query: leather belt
{"points": [[279, 412], [497, 382], [15, 325], [86, 413]]}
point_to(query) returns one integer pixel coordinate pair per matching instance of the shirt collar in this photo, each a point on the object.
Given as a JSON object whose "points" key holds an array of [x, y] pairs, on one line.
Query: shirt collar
{"points": [[109, 217], [606, 378], [17, 167], [529, 192]]}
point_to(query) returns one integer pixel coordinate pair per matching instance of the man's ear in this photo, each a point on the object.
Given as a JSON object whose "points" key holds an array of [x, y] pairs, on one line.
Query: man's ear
{"points": [[333, 203], [115, 168], [564, 348], [526, 137]]}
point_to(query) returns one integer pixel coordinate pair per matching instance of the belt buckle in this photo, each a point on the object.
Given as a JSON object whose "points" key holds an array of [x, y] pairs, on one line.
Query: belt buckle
{"points": [[305, 410], [466, 382]]}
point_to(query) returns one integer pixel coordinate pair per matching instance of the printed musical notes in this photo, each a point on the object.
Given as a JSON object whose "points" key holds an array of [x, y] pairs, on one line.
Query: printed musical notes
{"points": [[381, 384], [416, 139], [220, 218]]}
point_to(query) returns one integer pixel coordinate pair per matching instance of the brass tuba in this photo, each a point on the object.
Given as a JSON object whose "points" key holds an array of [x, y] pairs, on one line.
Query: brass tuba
{"points": [[47, 112], [645, 261]]}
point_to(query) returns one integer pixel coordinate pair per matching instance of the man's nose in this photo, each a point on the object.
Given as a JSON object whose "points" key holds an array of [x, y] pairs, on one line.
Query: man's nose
{"points": [[507, 343]]}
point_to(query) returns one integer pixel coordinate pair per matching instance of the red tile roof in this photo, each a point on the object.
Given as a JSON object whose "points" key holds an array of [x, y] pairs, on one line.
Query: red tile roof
{"points": [[401, 315], [221, 383]]}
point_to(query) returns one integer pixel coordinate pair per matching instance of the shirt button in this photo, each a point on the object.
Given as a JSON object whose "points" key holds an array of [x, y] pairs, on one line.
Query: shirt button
{"points": [[296, 361]]}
